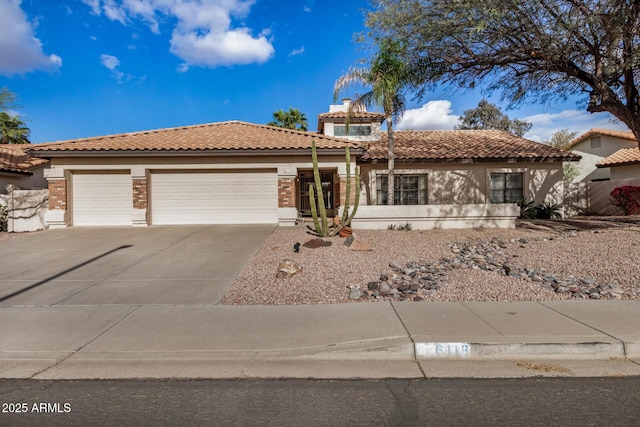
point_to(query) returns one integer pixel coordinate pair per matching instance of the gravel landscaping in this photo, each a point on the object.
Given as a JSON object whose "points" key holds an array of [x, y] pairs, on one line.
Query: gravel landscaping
{"points": [[539, 260]]}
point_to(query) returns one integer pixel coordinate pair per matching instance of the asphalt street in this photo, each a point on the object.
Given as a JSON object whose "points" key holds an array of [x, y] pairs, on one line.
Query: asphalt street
{"points": [[442, 402]]}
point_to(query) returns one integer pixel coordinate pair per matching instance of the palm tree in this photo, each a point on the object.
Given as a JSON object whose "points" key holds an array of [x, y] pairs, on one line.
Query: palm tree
{"points": [[292, 119], [13, 130], [388, 78]]}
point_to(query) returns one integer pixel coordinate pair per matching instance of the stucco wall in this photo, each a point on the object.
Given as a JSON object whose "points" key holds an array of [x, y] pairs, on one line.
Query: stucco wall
{"points": [[592, 156], [36, 181], [468, 183], [26, 209], [625, 172]]}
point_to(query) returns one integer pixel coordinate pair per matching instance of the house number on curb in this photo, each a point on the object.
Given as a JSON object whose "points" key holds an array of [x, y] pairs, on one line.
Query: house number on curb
{"points": [[443, 349]]}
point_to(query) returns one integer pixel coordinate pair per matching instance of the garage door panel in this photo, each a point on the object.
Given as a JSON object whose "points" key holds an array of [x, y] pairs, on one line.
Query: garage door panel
{"points": [[102, 199], [214, 198]]}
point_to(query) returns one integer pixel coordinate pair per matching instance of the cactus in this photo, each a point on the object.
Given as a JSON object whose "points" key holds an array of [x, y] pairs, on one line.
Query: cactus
{"points": [[319, 211]]}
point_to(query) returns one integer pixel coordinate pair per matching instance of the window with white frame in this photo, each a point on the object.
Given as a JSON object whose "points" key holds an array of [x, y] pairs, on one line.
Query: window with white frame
{"points": [[506, 187], [409, 189], [354, 130]]}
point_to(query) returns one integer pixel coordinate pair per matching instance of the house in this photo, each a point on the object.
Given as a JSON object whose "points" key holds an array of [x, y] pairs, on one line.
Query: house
{"points": [[238, 172], [594, 146], [19, 169], [623, 164]]}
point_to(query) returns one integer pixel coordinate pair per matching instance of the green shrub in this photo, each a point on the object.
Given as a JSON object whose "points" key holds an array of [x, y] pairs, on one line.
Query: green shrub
{"points": [[527, 210], [548, 210], [3, 218], [545, 210]]}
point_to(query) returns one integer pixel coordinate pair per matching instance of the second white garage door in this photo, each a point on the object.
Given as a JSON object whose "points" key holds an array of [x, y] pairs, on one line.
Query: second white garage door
{"points": [[214, 198]]}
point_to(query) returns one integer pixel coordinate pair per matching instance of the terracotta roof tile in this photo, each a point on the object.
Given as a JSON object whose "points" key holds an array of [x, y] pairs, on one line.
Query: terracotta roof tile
{"points": [[13, 158], [605, 132], [231, 135], [625, 156], [457, 145]]}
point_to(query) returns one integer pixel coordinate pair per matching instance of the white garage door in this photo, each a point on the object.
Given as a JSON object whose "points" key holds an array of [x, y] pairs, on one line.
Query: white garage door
{"points": [[102, 199], [214, 198]]}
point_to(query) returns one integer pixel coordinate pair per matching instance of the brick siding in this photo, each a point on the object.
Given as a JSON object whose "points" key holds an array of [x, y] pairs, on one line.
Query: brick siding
{"points": [[58, 194], [286, 192], [140, 193]]}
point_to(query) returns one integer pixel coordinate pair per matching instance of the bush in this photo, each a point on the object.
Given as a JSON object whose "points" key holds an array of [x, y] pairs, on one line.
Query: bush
{"points": [[627, 199], [548, 211], [3, 218], [545, 210], [527, 210]]}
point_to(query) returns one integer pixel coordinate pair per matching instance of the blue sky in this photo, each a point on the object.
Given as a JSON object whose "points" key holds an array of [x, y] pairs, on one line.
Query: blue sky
{"points": [[95, 67]]}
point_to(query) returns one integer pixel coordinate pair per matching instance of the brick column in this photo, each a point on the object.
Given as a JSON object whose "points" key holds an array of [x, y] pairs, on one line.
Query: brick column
{"points": [[140, 182], [286, 192], [140, 193], [58, 194]]}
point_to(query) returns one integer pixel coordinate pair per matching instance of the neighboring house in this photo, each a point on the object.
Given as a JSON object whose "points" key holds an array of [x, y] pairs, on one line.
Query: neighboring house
{"points": [[594, 146], [19, 169], [237, 172], [623, 164]]}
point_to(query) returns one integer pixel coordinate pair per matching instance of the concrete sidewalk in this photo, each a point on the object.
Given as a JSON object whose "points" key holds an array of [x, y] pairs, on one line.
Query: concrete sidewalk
{"points": [[372, 340]]}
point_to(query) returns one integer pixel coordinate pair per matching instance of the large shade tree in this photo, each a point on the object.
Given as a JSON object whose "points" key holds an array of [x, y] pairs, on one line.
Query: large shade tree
{"points": [[488, 116], [292, 119], [537, 49], [386, 80]]}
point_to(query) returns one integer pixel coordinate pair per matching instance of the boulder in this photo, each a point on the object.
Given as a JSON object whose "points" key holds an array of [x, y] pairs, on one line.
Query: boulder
{"points": [[288, 268]]}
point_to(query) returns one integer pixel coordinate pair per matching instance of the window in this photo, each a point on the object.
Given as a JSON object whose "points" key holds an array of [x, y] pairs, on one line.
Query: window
{"points": [[409, 189], [506, 187], [353, 130]]}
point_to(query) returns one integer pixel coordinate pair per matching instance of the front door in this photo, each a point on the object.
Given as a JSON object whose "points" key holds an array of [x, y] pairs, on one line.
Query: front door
{"points": [[306, 179]]}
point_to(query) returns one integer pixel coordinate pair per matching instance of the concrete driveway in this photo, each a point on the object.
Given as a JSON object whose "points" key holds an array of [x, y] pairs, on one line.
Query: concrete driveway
{"points": [[154, 265]]}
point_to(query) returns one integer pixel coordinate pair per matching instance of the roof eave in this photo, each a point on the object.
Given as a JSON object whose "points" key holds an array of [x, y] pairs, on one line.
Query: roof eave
{"points": [[609, 165], [357, 151], [476, 160]]}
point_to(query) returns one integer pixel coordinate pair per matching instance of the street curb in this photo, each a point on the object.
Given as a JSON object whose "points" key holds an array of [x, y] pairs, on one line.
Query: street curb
{"points": [[506, 351]]}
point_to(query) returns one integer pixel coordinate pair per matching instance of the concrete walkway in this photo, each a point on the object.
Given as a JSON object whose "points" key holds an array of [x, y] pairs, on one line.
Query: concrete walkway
{"points": [[359, 340]]}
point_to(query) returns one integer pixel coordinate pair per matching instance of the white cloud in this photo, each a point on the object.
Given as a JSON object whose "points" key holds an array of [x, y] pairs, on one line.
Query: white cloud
{"points": [[580, 121], [204, 34], [109, 61], [434, 115], [20, 50], [296, 52], [112, 63]]}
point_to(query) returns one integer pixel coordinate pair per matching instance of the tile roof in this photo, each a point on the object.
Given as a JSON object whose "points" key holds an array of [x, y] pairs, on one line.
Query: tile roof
{"points": [[604, 132], [470, 145], [625, 156], [231, 135], [13, 158]]}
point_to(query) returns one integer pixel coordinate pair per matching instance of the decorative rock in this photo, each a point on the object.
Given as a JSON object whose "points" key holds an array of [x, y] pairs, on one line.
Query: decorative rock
{"points": [[359, 245], [288, 268], [394, 265], [384, 288], [349, 240], [373, 285], [416, 279], [316, 243], [355, 293]]}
